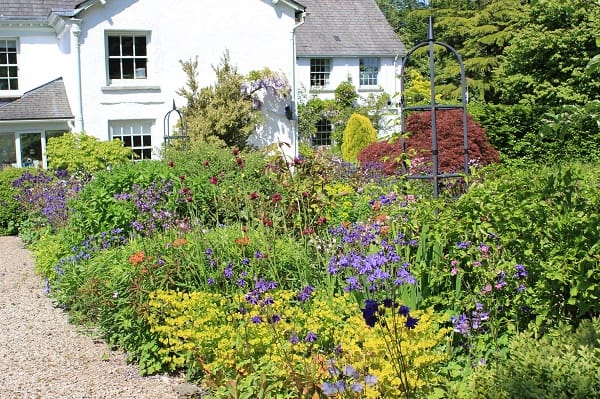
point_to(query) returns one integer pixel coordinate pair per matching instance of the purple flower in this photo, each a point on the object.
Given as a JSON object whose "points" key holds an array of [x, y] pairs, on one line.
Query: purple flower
{"points": [[305, 293], [294, 338], [370, 312], [520, 272], [310, 337], [411, 322], [461, 324], [463, 244], [257, 319], [403, 310]]}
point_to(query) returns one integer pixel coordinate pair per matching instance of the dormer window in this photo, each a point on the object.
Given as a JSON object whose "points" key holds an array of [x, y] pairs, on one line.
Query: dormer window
{"points": [[127, 56], [8, 65]]}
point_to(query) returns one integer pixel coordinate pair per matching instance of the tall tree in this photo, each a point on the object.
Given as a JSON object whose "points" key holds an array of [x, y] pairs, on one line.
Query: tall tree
{"points": [[546, 61]]}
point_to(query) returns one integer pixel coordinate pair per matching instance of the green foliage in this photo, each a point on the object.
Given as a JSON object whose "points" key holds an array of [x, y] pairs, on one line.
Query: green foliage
{"points": [[559, 365], [546, 60], [11, 213], [358, 134], [79, 152], [345, 95], [540, 214], [97, 209], [220, 112]]}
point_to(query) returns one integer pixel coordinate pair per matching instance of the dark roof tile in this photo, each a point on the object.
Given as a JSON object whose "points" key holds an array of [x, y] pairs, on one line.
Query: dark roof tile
{"points": [[346, 28], [48, 101]]}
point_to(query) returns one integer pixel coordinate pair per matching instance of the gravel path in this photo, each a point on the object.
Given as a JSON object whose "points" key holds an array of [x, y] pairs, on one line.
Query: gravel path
{"points": [[43, 356]]}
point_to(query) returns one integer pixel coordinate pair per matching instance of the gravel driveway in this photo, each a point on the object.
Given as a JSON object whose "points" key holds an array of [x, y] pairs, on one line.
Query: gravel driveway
{"points": [[43, 356]]}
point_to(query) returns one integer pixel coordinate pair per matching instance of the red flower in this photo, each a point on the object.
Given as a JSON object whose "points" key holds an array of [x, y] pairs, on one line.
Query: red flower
{"points": [[235, 151], [253, 195], [171, 164], [189, 199], [240, 162], [182, 177], [267, 222], [308, 231], [275, 198], [321, 220], [304, 194], [214, 180], [205, 163]]}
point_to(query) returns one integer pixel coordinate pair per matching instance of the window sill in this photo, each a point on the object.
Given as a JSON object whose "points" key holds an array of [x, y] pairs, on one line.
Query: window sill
{"points": [[370, 89], [319, 89], [123, 88], [10, 94]]}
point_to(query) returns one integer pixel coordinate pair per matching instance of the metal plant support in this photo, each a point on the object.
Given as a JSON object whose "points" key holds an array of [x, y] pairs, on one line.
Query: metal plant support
{"points": [[182, 132], [435, 175]]}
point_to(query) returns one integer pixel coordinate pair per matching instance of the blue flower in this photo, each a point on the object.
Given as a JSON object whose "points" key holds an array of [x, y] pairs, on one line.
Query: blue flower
{"points": [[403, 310]]}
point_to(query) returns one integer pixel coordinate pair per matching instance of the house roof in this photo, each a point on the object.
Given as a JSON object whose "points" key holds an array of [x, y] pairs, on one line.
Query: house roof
{"points": [[346, 28], [48, 101], [33, 9]]}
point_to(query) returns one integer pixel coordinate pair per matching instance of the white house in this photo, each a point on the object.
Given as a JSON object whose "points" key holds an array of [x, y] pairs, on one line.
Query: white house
{"points": [[348, 40], [112, 68]]}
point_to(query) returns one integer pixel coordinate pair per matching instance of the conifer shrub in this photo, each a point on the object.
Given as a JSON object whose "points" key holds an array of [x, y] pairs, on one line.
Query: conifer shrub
{"points": [[358, 134], [418, 145]]}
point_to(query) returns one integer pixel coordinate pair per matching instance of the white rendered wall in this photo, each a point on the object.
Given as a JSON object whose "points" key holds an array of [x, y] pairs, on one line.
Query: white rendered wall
{"points": [[256, 33], [41, 57], [344, 69]]}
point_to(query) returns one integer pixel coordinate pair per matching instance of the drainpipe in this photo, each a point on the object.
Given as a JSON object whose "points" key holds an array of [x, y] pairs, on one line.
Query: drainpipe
{"points": [[76, 30], [294, 120]]}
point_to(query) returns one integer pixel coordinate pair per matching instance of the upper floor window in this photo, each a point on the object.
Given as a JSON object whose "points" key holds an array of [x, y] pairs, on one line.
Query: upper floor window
{"points": [[320, 68], [127, 56], [8, 65], [369, 71], [136, 134]]}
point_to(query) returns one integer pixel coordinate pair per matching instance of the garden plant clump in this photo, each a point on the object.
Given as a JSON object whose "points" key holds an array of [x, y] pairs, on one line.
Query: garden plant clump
{"points": [[332, 281]]}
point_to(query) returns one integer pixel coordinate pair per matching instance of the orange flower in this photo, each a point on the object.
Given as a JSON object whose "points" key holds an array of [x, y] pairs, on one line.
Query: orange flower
{"points": [[385, 229], [180, 242], [137, 258], [245, 240]]}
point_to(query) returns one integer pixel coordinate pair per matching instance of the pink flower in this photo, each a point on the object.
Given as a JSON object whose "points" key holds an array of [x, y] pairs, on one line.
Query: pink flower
{"points": [[487, 289], [214, 180], [454, 271]]}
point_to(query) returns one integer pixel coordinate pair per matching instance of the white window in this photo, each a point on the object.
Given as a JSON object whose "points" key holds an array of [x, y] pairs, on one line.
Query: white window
{"points": [[127, 56], [369, 71], [323, 135], [136, 134], [320, 68], [8, 65]]}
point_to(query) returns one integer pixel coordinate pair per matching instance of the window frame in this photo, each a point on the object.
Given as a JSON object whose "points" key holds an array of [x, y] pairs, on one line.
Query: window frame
{"points": [[321, 76], [323, 135], [368, 75], [5, 63], [143, 150], [132, 77]]}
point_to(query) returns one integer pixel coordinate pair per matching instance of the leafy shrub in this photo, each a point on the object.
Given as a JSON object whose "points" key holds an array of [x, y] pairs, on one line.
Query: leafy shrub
{"points": [[358, 134], [559, 365], [11, 213], [79, 152], [221, 112], [100, 206], [418, 145]]}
